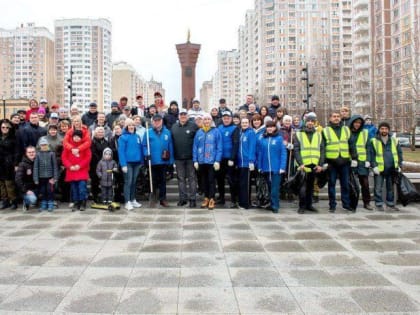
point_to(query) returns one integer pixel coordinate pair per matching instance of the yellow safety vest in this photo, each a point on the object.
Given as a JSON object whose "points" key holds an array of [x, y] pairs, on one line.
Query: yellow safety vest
{"points": [[361, 145], [379, 152], [310, 151], [335, 147]]}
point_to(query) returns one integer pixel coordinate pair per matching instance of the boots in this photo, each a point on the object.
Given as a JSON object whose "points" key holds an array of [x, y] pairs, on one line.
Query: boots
{"points": [[44, 205], [211, 204], [205, 203], [83, 205], [14, 205], [76, 206], [50, 205], [5, 205]]}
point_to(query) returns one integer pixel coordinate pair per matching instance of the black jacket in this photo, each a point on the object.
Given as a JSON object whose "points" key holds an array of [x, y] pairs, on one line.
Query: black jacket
{"points": [[297, 145], [24, 176], [30, 135], [89, 118], [98, 146], [170, 119], [183, 139], [111, 118], [8, 156]]}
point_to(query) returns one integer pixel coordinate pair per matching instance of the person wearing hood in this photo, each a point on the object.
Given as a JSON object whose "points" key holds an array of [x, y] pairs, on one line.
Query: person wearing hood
{"points": [[309, 153], [161, 155], [207, 155], [24, 178], [245, 161], [131, 158], [91, 115], [171, 117], [360, 164], [271, 161], [337, 155], [99, 144], [230, 144], [386, 160], [104, 170], [369, 126], [101, 122]]}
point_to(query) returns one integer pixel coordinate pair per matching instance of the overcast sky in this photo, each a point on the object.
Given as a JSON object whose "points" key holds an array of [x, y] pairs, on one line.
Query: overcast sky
{"points": [[145, 32]]}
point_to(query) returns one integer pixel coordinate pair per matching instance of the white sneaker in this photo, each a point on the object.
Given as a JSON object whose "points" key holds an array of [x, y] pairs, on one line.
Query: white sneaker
{"points": [[136, 204], [129, 206], [71, 204]]}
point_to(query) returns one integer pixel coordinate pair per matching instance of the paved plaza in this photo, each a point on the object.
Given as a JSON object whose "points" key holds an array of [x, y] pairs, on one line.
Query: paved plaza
{"points": [[193, 261]]}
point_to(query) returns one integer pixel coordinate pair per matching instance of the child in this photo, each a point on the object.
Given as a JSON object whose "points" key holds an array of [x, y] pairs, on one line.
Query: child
{"points": [[104, 171], [77, 173], [46, 175]]}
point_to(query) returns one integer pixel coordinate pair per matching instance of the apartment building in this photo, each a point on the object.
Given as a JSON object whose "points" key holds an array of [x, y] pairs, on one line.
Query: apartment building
{"points": [[27, 63], [126, 81], [86, 46], [206, 96]]}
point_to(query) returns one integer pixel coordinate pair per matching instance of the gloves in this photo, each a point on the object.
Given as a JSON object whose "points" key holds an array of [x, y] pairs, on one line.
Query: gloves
{"points": [[124, 169], [231, 163], [376, 170], [353, 163], [325, 167], [290, 146], [367, 164], [251, 166], [196, 166], [302, 167], [282, 172], [216, 166], [399, 169]]}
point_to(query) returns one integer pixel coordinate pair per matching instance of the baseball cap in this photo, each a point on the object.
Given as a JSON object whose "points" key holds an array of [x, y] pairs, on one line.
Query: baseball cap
{"points": [[43, 141], [54, 115], [311, 116], [183, 111], [227, 113], [157, 117], [43, 100]]}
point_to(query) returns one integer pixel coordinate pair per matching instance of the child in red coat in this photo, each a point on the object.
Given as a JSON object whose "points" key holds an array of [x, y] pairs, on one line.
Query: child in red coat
{"points": [[77, 164]]}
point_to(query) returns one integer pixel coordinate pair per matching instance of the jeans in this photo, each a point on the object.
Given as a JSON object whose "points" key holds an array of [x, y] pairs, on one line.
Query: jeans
{"points": [[379, 182], [341, 171], [185, 171], [273, 181], [78, 190], [130, 180], [46, 189], [208, 177], [30, 199], [159, 180]]}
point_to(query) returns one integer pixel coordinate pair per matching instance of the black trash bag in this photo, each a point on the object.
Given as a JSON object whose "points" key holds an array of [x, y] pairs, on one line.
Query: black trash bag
{"points": [[322, 178], [295, 182], [406, 191], [263, 193], [354, 191]]}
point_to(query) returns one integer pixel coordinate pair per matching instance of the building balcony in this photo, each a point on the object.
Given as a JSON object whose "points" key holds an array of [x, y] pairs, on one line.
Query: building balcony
{"points": [[362, 41], [362, 78], [361, 53], [361, 28], [363, 65], [358, 4], [361, 16]]}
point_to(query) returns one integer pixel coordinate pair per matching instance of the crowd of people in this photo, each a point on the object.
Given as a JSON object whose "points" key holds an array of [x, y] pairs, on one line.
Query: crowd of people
{"points": [[50, 152]]}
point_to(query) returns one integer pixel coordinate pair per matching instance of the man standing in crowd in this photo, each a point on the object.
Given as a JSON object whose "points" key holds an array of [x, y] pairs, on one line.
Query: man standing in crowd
{"points": [[183, 133], [249, 100], [91, 115], [223, 107], [195, 110], [30, 134], [337, 154], [113, 115], [275, 105], [309, 152], [386, 159], [230, 140]]}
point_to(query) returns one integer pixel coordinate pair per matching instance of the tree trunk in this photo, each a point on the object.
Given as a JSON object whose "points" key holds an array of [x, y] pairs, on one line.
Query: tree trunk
{"points": [[413, 138]]}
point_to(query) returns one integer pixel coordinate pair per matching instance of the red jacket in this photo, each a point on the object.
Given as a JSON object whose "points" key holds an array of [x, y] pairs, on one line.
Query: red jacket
{"points": [[83, 160], [69, 144], [30, 111]]}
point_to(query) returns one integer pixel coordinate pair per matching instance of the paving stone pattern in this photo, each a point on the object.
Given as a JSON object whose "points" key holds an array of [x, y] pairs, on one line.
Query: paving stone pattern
{"points": [[194, 261]]}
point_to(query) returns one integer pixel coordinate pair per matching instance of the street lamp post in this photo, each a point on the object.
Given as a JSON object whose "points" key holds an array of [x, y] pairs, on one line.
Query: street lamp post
{"points": [[4, 107], [308, 85], [70, 85]]}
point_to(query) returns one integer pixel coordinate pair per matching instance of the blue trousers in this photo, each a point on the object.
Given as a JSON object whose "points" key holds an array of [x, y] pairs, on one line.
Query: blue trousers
{"points": [[273, 180], [78, 190], [378, 184], [130, 180], [343, 173]]}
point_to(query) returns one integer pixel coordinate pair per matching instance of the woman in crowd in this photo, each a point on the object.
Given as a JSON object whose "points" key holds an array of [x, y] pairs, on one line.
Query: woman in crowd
{"points": [[63, 127], [207, 154], [296, 123], [280, 112], [8, 161], [263, 112], [258, 125], [271, 161], [246, 161], [42, 115]]}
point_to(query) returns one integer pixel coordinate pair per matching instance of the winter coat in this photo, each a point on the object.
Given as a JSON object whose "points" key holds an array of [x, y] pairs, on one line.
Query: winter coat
{"points": [[8, 156], [372, 130], [208, 146], [259, 132], [360, 169], [129, 148], [271, 153], [183, 140], [170, 118], [159, 141], [83, 160], [105, 169], [53, 142], [84, 145], [24, 176], [272, 110], [111, 118], [194, 113], [45, 166], [247, 146], [107, 129], [97, 148], [30, 135], [389, 165], [89, 118], [113, 145], [286, 133], [230, 140]]}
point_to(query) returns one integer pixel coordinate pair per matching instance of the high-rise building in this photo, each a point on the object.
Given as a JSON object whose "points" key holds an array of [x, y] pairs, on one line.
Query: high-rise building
{"points": [[150, 88], [206, 96], [85, 46], [226, 81], [27, 63], [126, 82]]}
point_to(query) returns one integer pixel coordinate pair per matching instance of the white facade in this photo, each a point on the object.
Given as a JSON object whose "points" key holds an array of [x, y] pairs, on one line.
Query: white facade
{"points": [[126, 81], [86, 45]]}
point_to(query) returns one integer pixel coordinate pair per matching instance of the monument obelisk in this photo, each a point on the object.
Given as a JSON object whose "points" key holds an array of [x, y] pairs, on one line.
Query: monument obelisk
{"points": [[188, 55]]}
